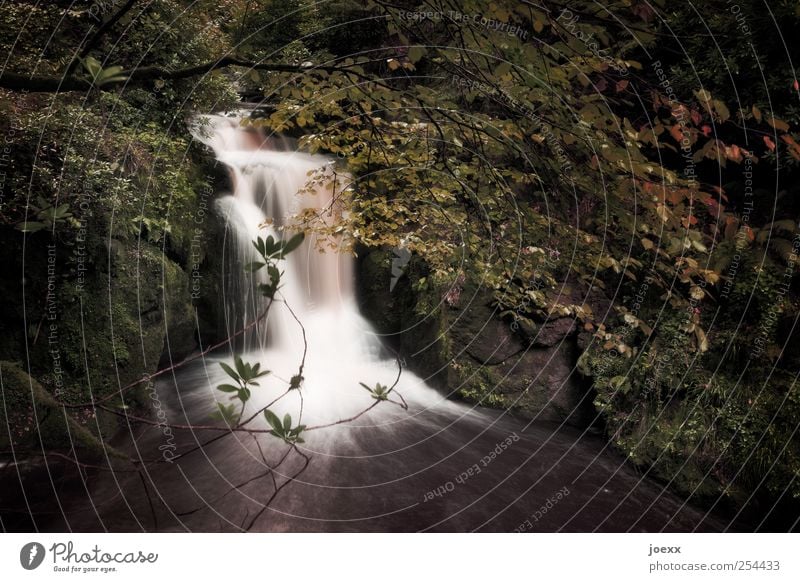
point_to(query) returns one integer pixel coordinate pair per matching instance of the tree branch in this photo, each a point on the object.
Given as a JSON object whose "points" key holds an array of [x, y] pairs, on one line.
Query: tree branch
{"points": [[98, 35], [69, 82]]}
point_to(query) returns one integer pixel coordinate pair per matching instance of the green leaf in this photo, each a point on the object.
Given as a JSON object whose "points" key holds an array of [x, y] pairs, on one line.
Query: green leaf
{"points": [[415, 53], [259, 244], [229, 371], [267, 290], [227, 388], [293, 243], [226, 413], [254, 266], [502, 69], [92, 66], [240, 366], [287, 422], [273, 421], [30, 226]]}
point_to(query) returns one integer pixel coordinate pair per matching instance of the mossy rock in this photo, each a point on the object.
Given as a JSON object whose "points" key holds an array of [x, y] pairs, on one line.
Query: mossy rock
{"points": [[36, 420], [465, 350]]}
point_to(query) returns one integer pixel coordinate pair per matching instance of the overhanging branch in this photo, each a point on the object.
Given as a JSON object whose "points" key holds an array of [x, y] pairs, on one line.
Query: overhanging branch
{"points": [[55, 84]]}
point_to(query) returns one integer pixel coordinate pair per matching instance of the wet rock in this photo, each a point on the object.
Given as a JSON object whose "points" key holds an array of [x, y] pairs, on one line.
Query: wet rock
{"points": [[468, 352], [555, 331]]}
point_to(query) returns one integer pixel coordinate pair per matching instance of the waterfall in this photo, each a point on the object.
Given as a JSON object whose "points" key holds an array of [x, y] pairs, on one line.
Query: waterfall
{"points": [[271, 188]]}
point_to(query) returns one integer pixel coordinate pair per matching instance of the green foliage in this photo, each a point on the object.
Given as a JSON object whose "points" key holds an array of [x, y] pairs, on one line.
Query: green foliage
{"points": [[102, 76], [245, 376], [48, 216], [708, 423], [379, 392], [272, 251], [284, 431]]}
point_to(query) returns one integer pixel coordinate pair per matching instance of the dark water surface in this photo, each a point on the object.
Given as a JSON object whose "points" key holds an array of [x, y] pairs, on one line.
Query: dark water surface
{"points": [[435, 469]]}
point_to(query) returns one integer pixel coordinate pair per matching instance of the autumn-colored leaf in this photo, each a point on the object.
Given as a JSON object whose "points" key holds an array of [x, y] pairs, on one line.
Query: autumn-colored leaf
{"points": [[676, 133], [778, 124]]}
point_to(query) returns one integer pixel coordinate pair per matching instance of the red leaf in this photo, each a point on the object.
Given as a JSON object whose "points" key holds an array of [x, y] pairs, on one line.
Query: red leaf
{"points": [[706, 129], [676, 133], [769, 143]]}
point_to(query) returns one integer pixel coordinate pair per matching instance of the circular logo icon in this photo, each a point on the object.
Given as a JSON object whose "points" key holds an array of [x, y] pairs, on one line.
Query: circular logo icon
{"points": [[31, 555]]}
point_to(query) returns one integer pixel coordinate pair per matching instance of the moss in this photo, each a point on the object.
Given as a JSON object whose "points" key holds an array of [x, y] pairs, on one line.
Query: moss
{"points": [[480, 385], [36, 420]]}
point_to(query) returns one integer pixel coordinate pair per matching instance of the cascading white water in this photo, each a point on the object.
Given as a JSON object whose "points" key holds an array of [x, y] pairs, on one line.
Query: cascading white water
{"points": [[270, 189]]}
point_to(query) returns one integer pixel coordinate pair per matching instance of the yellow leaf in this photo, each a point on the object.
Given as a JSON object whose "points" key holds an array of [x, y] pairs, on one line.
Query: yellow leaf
{"points": [[778, 124]]}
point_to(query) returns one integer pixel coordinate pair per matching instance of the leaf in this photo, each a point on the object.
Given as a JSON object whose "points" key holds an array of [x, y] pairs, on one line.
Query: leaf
{"points": [[259, 244], [293, 243], [254, 266], [721, 109], [502, 69], [92, 66], [229, 371], [240, 367], [273, 421], [267, 291], [702, 340], [227, 388], [415, 53], [30, 226], [225, 412], [676, 133], [778, 124], [287, 422]]}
